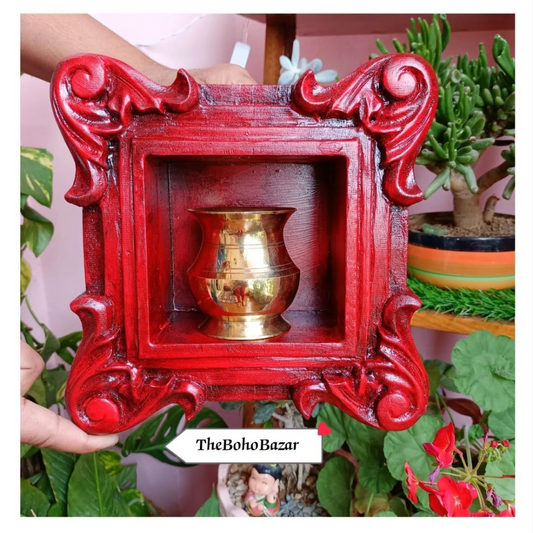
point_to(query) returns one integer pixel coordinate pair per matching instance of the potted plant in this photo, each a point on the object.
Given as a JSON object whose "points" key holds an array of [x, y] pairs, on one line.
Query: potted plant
{"points": [[472, 246]]}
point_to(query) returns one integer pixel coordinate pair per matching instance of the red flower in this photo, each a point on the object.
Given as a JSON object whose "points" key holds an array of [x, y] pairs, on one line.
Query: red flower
{"points": [[412, 483], [506, 443], [483, 512], [508, 512], [453, 498], [442, 446]]}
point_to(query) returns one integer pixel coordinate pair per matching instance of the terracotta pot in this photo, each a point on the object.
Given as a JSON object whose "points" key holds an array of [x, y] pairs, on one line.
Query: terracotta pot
{"points": [[459, 262], [227, 508]]}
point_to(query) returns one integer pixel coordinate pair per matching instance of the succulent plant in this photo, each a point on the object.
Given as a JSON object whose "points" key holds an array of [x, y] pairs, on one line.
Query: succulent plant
{"points": [[476, 110]]}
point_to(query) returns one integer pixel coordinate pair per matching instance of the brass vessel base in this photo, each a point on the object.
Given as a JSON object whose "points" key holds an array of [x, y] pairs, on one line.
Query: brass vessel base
{"points": [[251, 327]]}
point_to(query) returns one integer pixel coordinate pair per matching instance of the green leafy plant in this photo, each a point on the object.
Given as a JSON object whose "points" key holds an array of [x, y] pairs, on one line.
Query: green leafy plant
{"points": [[57, 483], [476, 110], [368, 473]]}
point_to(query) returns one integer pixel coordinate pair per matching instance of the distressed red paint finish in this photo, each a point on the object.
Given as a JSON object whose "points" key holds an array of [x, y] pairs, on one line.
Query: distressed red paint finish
{"points": [[342, 155]]}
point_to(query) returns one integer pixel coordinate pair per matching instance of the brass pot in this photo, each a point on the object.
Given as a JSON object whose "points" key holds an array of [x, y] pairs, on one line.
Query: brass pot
{"points": [[243, 277]]}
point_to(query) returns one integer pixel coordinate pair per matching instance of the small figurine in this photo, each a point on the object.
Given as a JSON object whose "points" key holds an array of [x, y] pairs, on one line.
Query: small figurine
{"points": [[262, 498]]}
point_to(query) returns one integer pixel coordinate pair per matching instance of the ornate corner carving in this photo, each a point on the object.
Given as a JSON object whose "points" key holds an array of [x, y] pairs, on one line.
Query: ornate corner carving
{"points": [[108, 393], [389, 389], [94, 99], [394, 98]]}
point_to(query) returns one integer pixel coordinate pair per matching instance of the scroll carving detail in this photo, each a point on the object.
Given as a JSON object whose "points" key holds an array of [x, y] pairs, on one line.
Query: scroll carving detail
{"points": [[107, 393], [389, 390], [394, 97], [93, 98]]}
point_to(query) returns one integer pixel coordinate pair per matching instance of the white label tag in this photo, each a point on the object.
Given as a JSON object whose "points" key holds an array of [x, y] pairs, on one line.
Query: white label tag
{"points": [[238, 446], [241, 51]]}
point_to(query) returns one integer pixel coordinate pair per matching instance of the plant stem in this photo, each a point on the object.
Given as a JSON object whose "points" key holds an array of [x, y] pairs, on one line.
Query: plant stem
{"points": [[25, 298], [446, 408], [468, 453]]}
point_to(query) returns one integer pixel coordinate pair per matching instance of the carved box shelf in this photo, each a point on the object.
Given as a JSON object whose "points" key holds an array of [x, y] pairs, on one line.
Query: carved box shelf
{"points": [[342, 155]]}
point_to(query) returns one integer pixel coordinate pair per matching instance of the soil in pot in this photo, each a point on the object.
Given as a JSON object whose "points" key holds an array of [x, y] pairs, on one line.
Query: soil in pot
{"points": [[501, 226], [294, 501]]}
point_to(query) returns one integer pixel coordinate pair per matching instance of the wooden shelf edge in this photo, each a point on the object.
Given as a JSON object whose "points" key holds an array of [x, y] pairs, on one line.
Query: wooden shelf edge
{"points": [[460, 324]]}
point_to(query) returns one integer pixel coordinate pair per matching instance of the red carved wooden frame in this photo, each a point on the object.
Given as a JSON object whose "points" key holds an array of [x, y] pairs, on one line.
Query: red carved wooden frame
{"points": [[136, 356]]}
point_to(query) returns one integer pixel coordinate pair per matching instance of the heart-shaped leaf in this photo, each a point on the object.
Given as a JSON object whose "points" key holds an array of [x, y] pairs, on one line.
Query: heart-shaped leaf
{"points": [[36, 174], [482, 362], [36, 231], [334, 486], [503, 424], [402, 446]]}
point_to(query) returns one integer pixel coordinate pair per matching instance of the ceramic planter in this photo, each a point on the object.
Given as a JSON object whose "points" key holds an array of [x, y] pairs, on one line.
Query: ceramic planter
{"points": [[460, 262], [227, 507]]}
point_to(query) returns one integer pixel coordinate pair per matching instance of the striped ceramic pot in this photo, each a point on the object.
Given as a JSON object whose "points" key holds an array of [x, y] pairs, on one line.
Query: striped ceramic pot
{"points": [[461, 262]]}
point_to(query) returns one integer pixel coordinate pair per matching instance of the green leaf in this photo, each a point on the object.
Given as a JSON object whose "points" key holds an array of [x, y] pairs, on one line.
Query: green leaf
{"points": [[483, 361], [111, 461], [211, 507], [36, 231], [153, 436], [398, 506], [55, 511], [38, 392], [374, 475], [401, 446], [68, 346], [475, 433], [127, 477], [59, 467], [32, 501], [25, 276], [137, 503], [379, 504], [447, 373], [55, 381], [264, 412], [334, 418], [386, 513], [365, 442], [334, 486], [92, 491], [433, 373], [27, 450], [36, 174], [231, 405], [51, 344], [503, 424], [43, 484], [214, 420], [504, 487], [502, 56]]}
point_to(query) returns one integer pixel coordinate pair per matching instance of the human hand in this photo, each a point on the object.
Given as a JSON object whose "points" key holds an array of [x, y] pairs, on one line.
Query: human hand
{"points": [[44, 428], [224, 74]]}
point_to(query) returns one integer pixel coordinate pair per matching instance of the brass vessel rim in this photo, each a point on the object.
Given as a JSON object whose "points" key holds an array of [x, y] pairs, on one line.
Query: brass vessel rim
{"points": [[270, 210]]}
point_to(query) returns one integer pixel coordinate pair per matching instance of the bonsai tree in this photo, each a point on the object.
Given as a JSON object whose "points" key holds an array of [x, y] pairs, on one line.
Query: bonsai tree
{"points": [[476, 110]]}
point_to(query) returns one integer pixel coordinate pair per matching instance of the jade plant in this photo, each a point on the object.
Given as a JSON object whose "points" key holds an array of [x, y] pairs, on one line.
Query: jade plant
{"points": [[476, 110]]}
